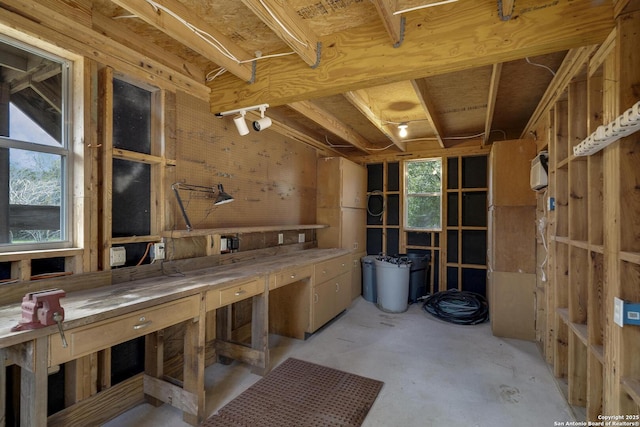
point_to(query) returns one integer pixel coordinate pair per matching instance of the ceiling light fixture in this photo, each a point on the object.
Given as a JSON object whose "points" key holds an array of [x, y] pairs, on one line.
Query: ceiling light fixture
{"points": [[402, 130], [263, 122], [241, 124]]}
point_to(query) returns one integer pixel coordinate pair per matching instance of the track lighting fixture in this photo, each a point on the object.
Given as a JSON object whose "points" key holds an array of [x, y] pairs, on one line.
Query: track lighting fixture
{"points": [[402, 130], [263, 122], [241, 125]]}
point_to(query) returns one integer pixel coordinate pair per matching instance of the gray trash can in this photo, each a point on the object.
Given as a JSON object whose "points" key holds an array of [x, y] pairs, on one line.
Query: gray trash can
{"points": [[369, 279], [392, 280], [419, 276]]}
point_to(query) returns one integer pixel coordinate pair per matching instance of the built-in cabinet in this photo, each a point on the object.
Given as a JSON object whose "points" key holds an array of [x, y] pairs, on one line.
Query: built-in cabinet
{"points": [[331, 291], [342, 202], [512, 240], [592, 230]]}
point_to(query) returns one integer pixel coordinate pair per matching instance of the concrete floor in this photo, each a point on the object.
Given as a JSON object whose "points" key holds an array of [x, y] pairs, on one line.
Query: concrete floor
{"points": [[435, 373]]}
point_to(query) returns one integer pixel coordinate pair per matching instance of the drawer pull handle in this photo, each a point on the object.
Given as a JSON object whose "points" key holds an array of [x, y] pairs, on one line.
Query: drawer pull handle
{"points": [[240, 292], [293, 276], [324, 271], [315, 298], [337, 287], [142, 325]]}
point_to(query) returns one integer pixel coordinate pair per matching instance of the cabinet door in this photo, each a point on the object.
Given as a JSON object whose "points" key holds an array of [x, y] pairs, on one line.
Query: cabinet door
{"points": [[323, 307], [354, 185], [354, 229], [342, 286]]}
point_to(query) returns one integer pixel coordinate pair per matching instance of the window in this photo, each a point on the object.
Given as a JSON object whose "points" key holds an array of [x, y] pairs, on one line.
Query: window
{"points": [[423, 194], [34, 149]]}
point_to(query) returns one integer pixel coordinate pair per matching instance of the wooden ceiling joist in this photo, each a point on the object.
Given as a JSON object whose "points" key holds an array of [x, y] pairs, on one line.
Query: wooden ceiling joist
{"points": [[328, 121], [421, 90], [120, 33], [505, 9], [491, 102], [366, 111], [394, 24], [288, 26], [174, 19], [575, 59], [361, 57]]}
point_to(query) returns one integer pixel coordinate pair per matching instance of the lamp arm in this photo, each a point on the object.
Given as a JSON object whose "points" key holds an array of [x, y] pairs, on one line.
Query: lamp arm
{"points": [[184, 212]]}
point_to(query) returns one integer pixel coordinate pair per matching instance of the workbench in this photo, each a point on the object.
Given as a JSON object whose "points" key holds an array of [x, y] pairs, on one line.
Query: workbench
{"points": [[101, 318]]}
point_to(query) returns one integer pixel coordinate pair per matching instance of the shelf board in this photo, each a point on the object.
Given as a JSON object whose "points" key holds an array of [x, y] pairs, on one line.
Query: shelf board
{"points": [[561, 239], [580, 244], [241, 230], [597, 248], [135, 239], [580, 330], [564, 314], [598, 352], [632, 387], [632, 257]]}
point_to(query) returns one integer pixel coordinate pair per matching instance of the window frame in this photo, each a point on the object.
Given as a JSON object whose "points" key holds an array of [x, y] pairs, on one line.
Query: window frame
{"points": [[407, 195], [64, 150]]}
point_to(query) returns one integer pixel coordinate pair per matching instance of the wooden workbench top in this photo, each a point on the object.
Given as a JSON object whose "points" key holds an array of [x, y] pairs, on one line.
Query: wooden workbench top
{"points": [[90, 306]]}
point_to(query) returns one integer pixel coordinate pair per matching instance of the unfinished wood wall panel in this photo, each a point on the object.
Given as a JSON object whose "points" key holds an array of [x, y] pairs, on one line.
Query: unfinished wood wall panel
{"points": [[272, 179], [594, 231]]}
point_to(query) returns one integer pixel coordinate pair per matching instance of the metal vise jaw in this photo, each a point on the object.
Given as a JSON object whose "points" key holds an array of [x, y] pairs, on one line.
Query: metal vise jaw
{"points": [[40, 309]]}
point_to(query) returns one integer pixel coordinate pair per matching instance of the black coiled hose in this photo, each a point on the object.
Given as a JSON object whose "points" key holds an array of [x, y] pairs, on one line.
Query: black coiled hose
{"points": [[459, 307]]}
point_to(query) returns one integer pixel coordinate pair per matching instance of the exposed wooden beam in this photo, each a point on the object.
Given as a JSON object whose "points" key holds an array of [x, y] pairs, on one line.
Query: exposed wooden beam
{"points": [[330, 122], [287, 24], [394, 24], [51, 93], [357, 101], [39, 22], [14, 62], [170, 17], [575, 59], [421, 90], [491, 102], [39, 75], [505, 9], [362, 57], [121, 34]]}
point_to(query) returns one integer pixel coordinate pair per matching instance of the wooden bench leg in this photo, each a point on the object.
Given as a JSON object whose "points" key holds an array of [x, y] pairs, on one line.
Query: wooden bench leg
{"points": [[194, 361]]}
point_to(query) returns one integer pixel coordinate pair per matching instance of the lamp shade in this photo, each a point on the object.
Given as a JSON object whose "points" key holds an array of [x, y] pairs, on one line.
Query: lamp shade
{"points": [[222, 197]]}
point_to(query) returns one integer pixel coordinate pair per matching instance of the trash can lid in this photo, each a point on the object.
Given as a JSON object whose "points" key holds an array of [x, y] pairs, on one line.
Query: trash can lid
{"points": [[368, 259]]}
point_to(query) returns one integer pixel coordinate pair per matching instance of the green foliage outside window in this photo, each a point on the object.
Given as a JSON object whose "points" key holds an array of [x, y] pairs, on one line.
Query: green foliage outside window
{"points": [[423, 194]]}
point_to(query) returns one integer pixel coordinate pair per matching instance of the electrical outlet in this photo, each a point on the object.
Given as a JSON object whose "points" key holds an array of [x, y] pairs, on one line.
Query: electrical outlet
{"points": [[118, 256], [280, 238], [551, 203], [157, 251], [300, 237]]}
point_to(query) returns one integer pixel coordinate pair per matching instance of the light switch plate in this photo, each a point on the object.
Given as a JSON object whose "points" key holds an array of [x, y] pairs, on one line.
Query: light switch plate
{"points": [[300, 237]]}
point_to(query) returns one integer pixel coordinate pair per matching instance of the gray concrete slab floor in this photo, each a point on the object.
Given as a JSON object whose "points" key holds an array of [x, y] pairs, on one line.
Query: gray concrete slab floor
{"points": [[435, 373]]}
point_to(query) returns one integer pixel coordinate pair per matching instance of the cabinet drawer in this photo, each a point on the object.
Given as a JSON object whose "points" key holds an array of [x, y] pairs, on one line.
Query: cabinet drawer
{"points": [[292, 275], [220, 297], [331, 268], [91, 338]]}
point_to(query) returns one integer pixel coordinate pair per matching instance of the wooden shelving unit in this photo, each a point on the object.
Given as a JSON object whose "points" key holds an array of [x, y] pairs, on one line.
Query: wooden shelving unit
{"points": [[593, 231]]}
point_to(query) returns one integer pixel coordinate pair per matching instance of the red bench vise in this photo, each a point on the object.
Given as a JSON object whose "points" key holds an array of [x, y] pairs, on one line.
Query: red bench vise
{"points": [[40, 309]]}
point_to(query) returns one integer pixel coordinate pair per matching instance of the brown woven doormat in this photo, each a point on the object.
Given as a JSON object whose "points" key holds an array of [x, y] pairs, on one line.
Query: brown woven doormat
{"points": [[301, 394]]}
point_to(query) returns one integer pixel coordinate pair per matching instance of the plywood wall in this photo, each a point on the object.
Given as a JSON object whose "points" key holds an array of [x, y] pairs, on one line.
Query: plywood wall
{"points": [[272, 179]]}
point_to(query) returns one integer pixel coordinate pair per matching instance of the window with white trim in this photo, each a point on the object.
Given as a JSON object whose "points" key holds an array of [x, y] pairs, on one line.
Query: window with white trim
{"points": [[34, 149], [423, 194]]}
